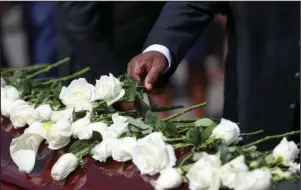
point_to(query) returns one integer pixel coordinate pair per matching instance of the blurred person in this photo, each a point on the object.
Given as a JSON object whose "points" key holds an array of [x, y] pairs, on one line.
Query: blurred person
{"points": [[106, 35], [4, 5], [205, 63], [41, 32], [262, 75]]}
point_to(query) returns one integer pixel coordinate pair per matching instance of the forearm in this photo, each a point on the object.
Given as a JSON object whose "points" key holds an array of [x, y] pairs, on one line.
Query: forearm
{"points": [[180, 24]]}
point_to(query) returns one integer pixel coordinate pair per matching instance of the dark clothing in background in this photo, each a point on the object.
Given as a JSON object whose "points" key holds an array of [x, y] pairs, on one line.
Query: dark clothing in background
{"points": [[41, 33], [263, 61], [106, 35]]}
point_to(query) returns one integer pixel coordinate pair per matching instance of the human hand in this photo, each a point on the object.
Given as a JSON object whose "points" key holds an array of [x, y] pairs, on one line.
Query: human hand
{"points": [[147, 66]]}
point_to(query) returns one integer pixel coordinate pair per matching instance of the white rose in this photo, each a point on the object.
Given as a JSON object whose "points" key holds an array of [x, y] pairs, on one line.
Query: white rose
{"points": [[79, 126], [258, 179], [169, 178], [6, 106], [39, 128], [10, 92], [120, 124], [65, 114], [87, 132], [227, 131], [286, 150], [109, 89], [3, 83], [33, 116], [21, 115], [66, 164], [123, 148], [231, 170], [103, 150], [15, 105], [23, 151], [87, 106], [44, 111], [59, 135], [205, 173], [78, 93], [294, 167], [151, 155]]}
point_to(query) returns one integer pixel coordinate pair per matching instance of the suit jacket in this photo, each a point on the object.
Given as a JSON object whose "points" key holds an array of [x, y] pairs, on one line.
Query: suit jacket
{"points": [[263, 62], [106, 35]]}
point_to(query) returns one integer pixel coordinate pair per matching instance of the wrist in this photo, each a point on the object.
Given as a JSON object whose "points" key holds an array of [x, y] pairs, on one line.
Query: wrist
{"points": [[163, 50]]}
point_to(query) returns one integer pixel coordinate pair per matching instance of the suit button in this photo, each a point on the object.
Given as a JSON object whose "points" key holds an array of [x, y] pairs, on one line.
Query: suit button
{"points": [[297, 75], [293, 106]]}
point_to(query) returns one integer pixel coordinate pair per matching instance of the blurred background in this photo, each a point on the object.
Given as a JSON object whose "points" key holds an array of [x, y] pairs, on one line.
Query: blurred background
{"points": [[29, 36]]}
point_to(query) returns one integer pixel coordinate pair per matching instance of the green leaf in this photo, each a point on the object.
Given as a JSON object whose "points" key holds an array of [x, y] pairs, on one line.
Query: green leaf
{"points": [[224, 152], [160, 124], [151, 118], [269, 159], [148, 131], [145, 99], [138, 123], [17, 75], [132, 90], [79, 115], [194, 136], [140, 106], [207, 133], [96, 136], [171, 130], [79, 145], [201, 129], [204, 122]]}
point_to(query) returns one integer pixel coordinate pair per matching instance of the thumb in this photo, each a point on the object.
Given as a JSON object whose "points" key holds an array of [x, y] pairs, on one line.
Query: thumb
{"points": [[152, 77]]}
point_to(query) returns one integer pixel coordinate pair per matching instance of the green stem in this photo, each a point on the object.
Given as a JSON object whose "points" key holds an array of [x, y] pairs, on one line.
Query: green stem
{"points": [[186, 158], [166, 108], [186, 110], [175, 139], [74, 75], [128, 86], [272, 137], [183, 130], [46, 69], [27, 68], [82, 152], [187, 125], [253, 133]]}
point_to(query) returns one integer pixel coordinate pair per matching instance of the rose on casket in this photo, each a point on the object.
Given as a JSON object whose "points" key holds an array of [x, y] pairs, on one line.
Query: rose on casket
{"points": [[141, 136]]}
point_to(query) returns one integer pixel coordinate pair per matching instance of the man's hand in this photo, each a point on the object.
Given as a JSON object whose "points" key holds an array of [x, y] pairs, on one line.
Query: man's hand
{"points": [[148, 65]]}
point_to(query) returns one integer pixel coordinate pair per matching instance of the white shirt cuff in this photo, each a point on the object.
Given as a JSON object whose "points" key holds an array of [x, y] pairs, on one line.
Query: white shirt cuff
{"points": [[162, 49]]}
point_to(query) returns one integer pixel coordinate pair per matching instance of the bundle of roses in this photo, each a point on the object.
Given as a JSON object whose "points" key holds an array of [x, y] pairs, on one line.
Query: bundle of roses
{"points": [[90, 119]]}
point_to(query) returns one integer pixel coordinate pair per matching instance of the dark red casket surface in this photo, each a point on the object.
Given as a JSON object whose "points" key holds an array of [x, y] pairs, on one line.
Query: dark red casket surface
{"points": [[92, 175]]}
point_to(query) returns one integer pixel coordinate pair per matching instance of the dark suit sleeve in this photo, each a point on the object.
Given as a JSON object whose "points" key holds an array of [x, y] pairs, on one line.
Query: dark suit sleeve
{"points": [[180, 24], [80, 24]]}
